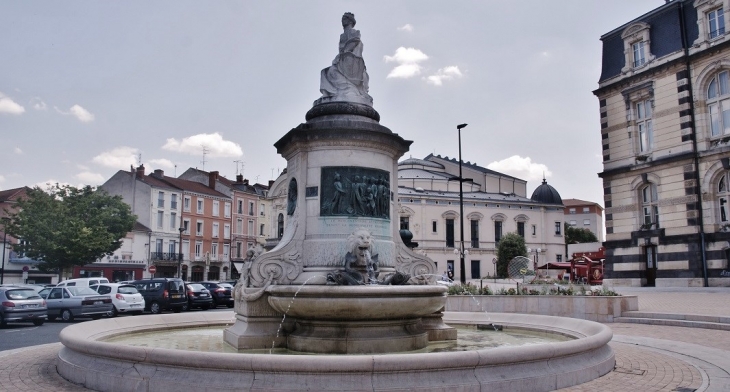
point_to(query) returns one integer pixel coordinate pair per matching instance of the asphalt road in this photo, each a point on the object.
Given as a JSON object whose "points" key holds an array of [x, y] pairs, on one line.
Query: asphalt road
{"points": [[19, 335]]}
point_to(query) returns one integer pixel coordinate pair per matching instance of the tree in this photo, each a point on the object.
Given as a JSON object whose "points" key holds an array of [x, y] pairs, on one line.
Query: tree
{"points": [[66, 226], [510, 246], [575, 235]]}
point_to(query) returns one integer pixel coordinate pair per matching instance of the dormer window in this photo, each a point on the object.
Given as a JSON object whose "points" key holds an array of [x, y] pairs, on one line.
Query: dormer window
{"points": [[638, 50], [716, 23]]}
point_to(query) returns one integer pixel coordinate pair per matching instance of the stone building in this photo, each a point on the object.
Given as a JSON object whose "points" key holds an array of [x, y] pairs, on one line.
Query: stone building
{"points": [[664, 98], [494, 204], [584, 214]]}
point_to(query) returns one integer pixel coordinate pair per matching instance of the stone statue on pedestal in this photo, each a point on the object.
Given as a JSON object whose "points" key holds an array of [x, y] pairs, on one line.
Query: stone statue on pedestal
{"points": [[347, 78]]}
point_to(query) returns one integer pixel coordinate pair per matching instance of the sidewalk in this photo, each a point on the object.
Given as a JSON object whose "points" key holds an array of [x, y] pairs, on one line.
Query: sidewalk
{"points": [[648, 357]]}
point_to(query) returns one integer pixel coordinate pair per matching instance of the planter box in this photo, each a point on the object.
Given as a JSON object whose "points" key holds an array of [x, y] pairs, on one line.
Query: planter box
{"points": [[600, 309]]}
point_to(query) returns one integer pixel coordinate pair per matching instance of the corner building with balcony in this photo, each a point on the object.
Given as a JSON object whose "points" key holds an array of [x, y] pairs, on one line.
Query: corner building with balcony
{"points": [[664, 98]]}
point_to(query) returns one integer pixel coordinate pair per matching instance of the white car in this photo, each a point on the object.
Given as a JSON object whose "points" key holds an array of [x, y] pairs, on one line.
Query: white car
{"points": [[125, 297]]}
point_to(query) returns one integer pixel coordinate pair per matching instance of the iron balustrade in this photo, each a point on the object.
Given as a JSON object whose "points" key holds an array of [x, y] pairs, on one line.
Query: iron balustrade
{"points": [[166, 256]]}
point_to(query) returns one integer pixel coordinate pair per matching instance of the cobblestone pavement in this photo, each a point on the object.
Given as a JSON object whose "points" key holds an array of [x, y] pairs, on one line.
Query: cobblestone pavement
{"points": [[33, 369], [714, 301]]}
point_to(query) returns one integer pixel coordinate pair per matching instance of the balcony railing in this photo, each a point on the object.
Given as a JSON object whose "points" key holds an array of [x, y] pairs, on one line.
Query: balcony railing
{"points": [[166, 256], [214, 258]]}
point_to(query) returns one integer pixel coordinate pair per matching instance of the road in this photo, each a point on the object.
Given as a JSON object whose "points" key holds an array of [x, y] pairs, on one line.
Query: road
{"points": [[18, 335]]}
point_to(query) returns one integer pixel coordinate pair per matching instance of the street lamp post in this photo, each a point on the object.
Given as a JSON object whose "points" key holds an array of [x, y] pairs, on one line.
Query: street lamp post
{"points": [[5, 236], [535, 259], [179, 254], [462, 265]]}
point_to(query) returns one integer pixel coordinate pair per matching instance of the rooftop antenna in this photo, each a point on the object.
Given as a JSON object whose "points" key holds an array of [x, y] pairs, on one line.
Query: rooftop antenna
{"points": [[205, 152], [257, 179], [139, 159], [242, 165], [176, 170]]}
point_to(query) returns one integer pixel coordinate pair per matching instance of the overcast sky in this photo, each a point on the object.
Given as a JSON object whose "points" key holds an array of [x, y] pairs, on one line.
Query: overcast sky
{"points": [[86, 87]]}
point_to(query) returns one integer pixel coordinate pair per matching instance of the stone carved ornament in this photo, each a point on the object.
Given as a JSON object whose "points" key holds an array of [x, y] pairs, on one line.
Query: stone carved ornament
{"points": [[360, 256]]}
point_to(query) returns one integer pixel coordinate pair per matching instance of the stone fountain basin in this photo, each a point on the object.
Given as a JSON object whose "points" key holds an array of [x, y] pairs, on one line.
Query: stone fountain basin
{"points": [[87, 360], [368, 302]]}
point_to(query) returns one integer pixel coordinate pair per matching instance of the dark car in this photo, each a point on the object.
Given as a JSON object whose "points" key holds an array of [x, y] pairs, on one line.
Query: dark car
{"points": [[198, 297], [221, 292], [21, 304], [162, 294]]}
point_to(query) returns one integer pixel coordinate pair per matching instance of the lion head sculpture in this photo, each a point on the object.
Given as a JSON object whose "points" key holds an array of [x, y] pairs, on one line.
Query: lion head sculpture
{"points": [[359, 242]]}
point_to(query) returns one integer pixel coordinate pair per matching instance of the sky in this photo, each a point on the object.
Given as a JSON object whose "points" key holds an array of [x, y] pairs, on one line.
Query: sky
{"points": [[90, 87]]}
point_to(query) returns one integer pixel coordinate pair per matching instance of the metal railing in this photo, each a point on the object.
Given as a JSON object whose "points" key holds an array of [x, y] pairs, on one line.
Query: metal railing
{"points": [[166, 256]]}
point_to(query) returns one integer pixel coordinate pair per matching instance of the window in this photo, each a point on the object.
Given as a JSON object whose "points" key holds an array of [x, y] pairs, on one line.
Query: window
{"points": [[434, 226], [227, 210], [239, 226], [160, 217], [226, 251], [214, 250], [158, 246], [404, 224], [280, 226], [186, 204], [716, 23], [649, 207], [476, 269], [586, 222], [239, 210], [173, 201], [227, 231], [718, 104], [497, 231], [521, 229], [572, 210], [586, 209], [200, 206], [251, 208], [198, 248], [559, 258], [160, 199], [558, 228], [250, 228], [723, 196], [239, 250], [261, 209], [216, 229], [474, 233], [172, 249], [216, 208], [573, 223], [186, 225], [534, 229], [198, 228], [638, 53], [261, 229], [173, 220], [449, 233], [644, 125]]}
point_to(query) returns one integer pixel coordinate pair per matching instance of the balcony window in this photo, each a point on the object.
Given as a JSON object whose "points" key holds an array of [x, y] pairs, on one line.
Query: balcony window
{"points": [[173, 201], [227, 210], [160, 199]]}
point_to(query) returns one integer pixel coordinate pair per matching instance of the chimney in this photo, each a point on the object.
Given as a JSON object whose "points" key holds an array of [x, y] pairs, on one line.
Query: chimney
{"points": [[158, 173], [212, 177], [239, 179], [271, 182], [140, 170], [245, 182]]}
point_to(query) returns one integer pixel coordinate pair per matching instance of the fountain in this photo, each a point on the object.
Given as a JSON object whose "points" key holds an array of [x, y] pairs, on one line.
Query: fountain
{"points": [[340, 284]]}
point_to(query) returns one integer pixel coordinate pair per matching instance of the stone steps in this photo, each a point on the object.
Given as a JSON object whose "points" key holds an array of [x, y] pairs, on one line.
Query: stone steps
{"points": [[675, 320]]}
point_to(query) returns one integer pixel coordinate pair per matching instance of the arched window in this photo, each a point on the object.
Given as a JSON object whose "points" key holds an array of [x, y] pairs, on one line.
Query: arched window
{"points": [[723, 195], [649, 206], [280, 226], [718, 104]]}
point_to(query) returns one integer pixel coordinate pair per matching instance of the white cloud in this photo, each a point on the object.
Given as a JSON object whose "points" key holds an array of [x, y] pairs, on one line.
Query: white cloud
{"points": [[38, 104], [82, 167], [520, 167], [8, 106], [407, 59], [18, 151], [446, 73], [406, 27], [162, 163], [213, 143], [90, 178], [119, 158], [77, 111], [2, 178]]}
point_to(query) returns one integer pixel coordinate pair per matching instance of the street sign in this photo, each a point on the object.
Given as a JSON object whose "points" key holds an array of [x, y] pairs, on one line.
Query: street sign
{"points": [[152, 269]]}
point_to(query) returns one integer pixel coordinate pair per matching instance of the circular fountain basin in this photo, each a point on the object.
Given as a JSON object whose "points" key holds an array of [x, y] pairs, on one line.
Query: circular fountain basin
{"points": [[366, 319], [88, 360]]}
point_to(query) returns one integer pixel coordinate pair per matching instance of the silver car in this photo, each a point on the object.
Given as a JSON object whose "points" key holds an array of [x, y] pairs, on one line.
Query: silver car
{"points": [[19, 303], [71, 302]]}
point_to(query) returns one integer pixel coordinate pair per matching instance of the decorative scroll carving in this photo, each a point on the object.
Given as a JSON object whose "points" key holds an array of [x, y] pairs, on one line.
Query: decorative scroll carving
{"points": [[282, 264], [421, 268]]}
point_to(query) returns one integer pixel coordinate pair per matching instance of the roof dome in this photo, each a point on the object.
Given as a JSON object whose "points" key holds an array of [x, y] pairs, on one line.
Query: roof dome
{"points": [[546, 194]]}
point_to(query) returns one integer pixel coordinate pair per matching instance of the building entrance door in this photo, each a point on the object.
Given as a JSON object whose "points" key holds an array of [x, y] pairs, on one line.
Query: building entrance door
{"points": [[650, 257]]}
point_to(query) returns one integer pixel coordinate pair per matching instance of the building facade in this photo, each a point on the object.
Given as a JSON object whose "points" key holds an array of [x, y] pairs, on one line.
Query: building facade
{"points": [[664, 98], [583, 214], [494, 204]]}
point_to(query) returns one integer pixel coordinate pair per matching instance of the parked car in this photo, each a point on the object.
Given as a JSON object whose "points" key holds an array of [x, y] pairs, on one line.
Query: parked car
{"points": [[71, 302], [163, 294], [21, 304], [221, 292], [198, 297], [82, 282], [125, 297], [231, 282]]}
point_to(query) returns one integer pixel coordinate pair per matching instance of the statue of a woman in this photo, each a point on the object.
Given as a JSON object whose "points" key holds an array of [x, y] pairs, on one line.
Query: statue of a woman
{"points": [[346, 79]]}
